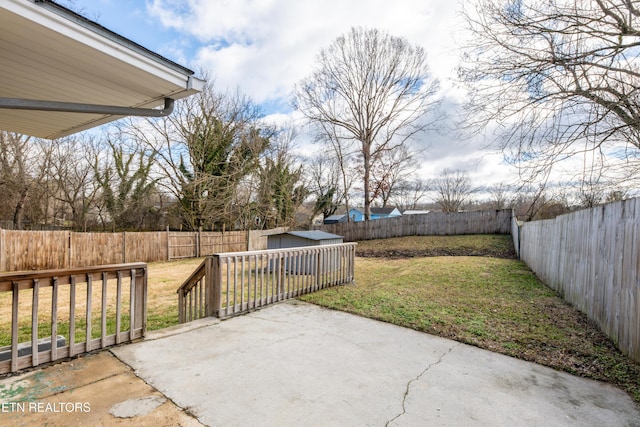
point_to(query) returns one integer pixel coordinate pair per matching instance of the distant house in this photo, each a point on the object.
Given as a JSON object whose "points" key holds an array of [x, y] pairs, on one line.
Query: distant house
{"points": [[357, 215], [334, 219], [415, 212], [377, 213]]}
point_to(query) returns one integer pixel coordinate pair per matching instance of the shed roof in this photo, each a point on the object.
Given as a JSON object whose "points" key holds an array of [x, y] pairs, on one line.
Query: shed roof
{"points": [[314, 235], [383, 211], [58, 67]]}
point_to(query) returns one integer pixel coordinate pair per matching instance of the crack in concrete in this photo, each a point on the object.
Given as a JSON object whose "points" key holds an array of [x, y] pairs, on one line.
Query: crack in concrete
{"points": [[406, 392]]}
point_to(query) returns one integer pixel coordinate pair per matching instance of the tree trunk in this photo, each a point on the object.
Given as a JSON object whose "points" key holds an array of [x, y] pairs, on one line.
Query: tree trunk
{"points": [[366, 154], [18, 214]]}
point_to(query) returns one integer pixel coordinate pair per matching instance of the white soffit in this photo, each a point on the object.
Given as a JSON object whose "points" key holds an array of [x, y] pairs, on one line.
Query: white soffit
{"points": [[49, 53]]}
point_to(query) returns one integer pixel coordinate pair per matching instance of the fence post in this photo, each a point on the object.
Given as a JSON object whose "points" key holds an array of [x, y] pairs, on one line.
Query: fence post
{"points": [[168, 245], [198, 242], [1, 249], [69, 250]]}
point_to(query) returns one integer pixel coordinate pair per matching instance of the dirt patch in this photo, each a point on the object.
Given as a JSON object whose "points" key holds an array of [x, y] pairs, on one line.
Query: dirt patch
{"points": [[431, 252], [492, 245]]}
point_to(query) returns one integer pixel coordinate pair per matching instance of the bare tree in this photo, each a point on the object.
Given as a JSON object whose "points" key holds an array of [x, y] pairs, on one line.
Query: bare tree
{"points": [[71, 172], [282, 187], [591, 184], [558, 77], [204, 152], [390, 170], [329, 183], [369, 89], [126, 184], [539, 201], [343, 158], [24, 162], [409, 194], [453, 188], [499, 195]]}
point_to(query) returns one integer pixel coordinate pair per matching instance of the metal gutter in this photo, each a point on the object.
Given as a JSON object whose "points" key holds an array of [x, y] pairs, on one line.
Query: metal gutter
{"points": [[72, 107]]}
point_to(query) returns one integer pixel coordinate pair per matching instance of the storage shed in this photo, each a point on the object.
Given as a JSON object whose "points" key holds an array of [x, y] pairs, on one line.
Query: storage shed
{"points": [[310, 263], [295, 239]]}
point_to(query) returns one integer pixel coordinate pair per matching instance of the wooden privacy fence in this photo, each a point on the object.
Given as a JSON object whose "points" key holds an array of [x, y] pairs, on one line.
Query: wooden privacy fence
{"points": [[61, 313], [44, 250], [232, 283], [430, 224], [203, 243], [592, 258]]}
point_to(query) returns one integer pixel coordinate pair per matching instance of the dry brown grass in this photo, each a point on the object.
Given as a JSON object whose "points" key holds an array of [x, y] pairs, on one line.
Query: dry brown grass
{"points": [[164, 279]]}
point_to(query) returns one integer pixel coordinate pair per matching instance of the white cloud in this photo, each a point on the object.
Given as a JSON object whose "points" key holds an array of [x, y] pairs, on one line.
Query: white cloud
{"points": [[264, 47]]}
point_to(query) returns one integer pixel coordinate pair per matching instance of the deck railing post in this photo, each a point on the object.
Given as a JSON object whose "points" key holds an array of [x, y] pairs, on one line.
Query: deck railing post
{"points": [[316, 272], [14, 326], [209, 303], [352, 263], [181, 307], [281, 276], [140, 301], [216, 285]]}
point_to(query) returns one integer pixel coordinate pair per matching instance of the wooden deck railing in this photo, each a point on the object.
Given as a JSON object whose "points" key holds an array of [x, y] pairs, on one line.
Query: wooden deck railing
{"points": [[232, 283], [55, 314]]}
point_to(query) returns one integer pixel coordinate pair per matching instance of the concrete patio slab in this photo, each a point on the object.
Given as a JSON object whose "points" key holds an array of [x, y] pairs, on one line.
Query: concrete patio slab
{"points": [[298, 364]]}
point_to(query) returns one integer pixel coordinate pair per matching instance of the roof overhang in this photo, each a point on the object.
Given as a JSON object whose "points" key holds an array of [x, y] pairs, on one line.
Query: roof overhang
{"points": [[61, 73]]}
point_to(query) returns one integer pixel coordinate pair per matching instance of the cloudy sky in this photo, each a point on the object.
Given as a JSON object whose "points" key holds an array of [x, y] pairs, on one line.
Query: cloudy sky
{"points": [[265, 46]]}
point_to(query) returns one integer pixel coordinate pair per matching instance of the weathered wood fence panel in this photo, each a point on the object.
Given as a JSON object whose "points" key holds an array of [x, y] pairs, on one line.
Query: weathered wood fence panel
{"points": [[148, 246], [43, 250], [232, 241], [55, 314], [433, 223], [203, 243], [592, 258], [183, 245], [96, 248], [37, 250], [229, 284]]}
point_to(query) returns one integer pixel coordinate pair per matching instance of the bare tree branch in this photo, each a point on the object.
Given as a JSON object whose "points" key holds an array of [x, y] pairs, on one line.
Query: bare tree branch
{"points": [[556, 78]]}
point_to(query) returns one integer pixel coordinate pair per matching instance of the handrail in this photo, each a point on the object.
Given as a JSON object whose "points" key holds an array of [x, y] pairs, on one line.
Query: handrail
{"points": [[231, 283], [285, 250], [23, 277], [193, 279], [190, 295], [74, 294]]}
